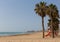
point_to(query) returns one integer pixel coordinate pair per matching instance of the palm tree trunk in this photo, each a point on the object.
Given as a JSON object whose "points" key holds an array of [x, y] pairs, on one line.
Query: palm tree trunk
{"points": [[52, 29], [43, 26]]}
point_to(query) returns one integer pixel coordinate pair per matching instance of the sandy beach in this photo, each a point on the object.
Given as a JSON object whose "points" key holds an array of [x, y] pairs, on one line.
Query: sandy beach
{"points": [[34, 37]]}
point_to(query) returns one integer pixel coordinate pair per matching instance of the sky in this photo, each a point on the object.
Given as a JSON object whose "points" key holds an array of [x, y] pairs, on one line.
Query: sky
{"points": [[19, 15]]}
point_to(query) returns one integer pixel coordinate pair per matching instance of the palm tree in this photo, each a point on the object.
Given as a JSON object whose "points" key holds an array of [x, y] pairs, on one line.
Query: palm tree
{"points": [[40, 10], [52, 12], [55, 24]]}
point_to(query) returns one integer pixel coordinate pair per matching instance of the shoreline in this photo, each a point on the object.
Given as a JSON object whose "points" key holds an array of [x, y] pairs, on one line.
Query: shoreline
{"points": [[33, 37]]}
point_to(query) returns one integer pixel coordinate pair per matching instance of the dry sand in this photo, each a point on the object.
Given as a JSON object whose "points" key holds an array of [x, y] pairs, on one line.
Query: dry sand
{"points": [[34, 37]]}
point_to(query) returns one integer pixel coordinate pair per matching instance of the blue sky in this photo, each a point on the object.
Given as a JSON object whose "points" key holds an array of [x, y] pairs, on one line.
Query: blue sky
{"points": [[19, 15]]}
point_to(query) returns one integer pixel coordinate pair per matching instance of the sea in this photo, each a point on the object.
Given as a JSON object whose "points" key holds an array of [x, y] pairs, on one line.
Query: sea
{"points": [[13, 33], [10, 33]]}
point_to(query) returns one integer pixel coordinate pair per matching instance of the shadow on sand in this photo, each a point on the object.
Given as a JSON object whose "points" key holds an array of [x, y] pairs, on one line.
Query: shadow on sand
{"points": [[58, 36]]}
